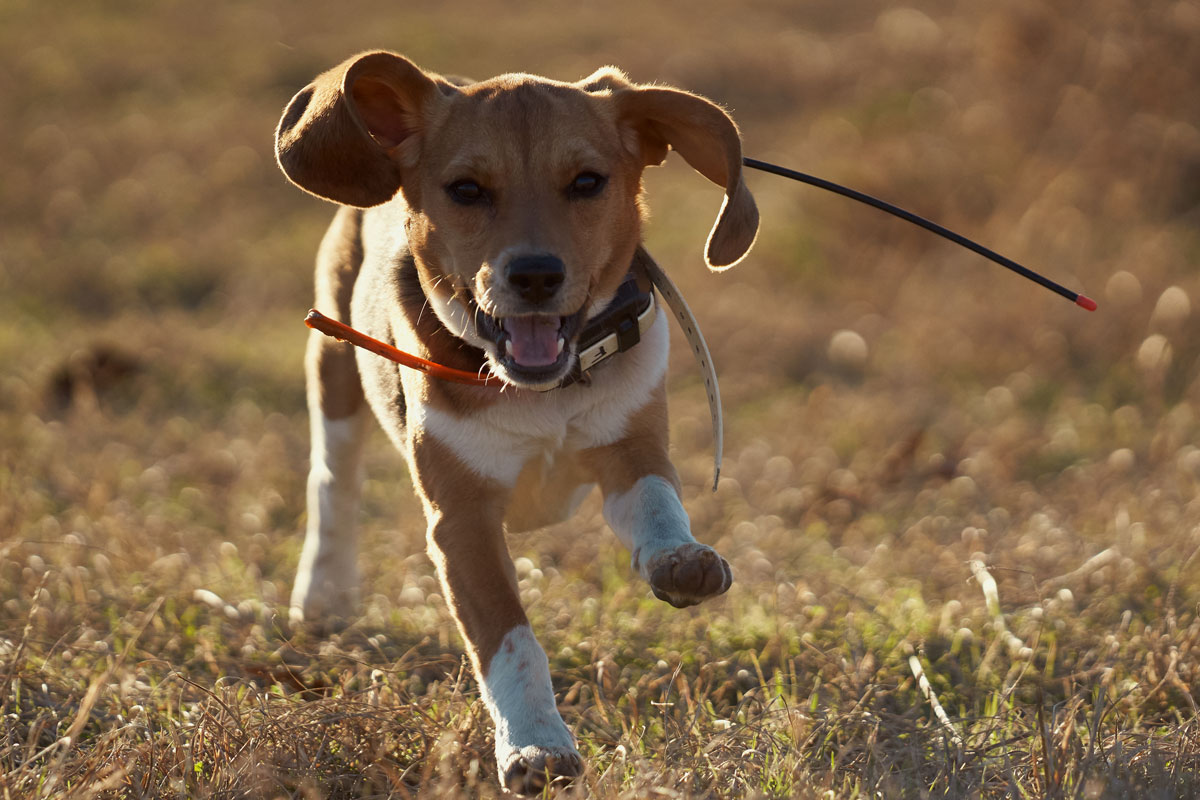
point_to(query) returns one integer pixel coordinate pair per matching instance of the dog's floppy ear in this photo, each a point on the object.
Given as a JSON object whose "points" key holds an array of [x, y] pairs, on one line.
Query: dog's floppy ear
{"points": [[344, 137], [708, 139]]}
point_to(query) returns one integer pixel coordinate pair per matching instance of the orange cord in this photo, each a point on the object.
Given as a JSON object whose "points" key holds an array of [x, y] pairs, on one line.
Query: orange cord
{"points": [[331, 327]]}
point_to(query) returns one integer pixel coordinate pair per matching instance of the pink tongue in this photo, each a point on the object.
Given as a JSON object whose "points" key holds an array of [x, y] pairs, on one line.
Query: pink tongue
{"points": [[534, 340]]}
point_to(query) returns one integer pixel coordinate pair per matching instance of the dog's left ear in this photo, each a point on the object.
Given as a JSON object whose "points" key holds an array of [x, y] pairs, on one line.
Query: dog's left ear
{"points": [[706, 137]]}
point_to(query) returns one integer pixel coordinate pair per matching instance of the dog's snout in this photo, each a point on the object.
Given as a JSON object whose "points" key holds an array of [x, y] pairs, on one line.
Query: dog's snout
{"points": [[536, 278]]}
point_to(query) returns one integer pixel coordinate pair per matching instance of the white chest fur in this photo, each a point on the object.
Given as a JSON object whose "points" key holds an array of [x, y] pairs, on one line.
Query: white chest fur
{"points": [[497, 441]]}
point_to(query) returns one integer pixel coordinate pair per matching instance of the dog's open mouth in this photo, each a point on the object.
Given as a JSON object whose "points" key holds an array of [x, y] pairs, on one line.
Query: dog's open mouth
{"points": [[531, 349], [533, 342]]}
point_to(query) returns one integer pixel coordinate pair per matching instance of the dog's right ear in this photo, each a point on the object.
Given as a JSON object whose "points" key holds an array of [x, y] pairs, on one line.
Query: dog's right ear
{"points": [[347, 136]]}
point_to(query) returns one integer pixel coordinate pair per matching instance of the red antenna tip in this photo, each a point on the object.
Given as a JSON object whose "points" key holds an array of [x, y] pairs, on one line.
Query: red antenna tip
{"points": [[1085, 302]]}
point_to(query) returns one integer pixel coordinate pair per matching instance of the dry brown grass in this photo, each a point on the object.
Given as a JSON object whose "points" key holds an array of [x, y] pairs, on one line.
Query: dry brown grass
{"points": [[992, 511]]}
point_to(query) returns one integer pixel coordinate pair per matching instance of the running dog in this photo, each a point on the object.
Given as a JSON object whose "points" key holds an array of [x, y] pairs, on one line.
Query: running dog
{"points": [[496, 227]]}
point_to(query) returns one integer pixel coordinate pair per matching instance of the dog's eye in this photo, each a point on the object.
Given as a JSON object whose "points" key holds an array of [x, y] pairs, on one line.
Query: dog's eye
{"points": [[466, 193], [587, 184]]}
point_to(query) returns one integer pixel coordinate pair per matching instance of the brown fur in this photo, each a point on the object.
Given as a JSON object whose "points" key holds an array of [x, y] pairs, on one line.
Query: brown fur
{"points": [[641, 452], [481, 587]]}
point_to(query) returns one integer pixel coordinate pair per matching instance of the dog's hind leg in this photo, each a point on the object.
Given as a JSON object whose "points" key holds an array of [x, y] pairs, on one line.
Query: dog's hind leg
{"points": [[326, 587], [547, 492]]}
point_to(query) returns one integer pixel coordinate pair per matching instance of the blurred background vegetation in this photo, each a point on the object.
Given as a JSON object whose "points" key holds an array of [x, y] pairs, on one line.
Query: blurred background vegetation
{"points": [[896, 407]]}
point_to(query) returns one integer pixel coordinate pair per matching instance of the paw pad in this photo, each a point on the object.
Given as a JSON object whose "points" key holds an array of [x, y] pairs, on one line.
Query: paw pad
{"points": [[689, 574]]}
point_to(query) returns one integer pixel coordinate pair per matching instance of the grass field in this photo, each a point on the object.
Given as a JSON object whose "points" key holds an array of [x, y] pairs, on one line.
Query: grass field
{"points": [[963, 515]]}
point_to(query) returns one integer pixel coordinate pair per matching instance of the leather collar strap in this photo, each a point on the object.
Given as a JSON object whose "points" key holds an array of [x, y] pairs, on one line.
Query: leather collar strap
{"points": [[691, 329], [619, 327]]}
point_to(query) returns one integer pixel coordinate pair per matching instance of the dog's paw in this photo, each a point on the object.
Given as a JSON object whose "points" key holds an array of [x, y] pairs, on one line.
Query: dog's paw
{"points": [[531, 769], [322, 604], [319, 623], [689, 574], [325, 595]]}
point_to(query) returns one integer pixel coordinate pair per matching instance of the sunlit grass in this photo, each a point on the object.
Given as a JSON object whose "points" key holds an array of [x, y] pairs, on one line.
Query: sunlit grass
{"points": [[943, 487]]}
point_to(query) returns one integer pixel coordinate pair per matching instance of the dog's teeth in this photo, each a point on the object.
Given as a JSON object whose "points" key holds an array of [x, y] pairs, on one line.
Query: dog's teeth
{"points": [[508, 347], [561, 344]]}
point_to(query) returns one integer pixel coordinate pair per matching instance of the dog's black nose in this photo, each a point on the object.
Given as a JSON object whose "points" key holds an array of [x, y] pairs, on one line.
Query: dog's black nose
{"points": [[536, 278]]}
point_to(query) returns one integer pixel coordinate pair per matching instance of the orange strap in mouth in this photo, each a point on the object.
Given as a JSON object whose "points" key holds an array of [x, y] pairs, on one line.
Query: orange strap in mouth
{"points": [[331, 327]]}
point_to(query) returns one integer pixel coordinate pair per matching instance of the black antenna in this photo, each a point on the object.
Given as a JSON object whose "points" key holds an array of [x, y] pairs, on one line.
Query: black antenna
{"points": [[1080, 300]]}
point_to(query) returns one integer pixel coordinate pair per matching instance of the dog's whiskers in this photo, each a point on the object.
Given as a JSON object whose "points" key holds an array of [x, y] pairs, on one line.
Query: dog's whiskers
{"points": [[436, 282]]}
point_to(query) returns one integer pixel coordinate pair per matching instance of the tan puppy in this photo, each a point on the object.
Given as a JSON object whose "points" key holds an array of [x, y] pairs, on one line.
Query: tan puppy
{"points": [[500, 217]]}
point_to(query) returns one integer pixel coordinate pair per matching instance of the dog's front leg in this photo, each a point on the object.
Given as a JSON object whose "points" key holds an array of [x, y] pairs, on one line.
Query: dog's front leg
{"points": [[642, 506], [466, 543]]}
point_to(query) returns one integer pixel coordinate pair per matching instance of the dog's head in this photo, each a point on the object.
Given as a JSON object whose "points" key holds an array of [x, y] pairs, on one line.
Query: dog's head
{"points": [[523, 194]]}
